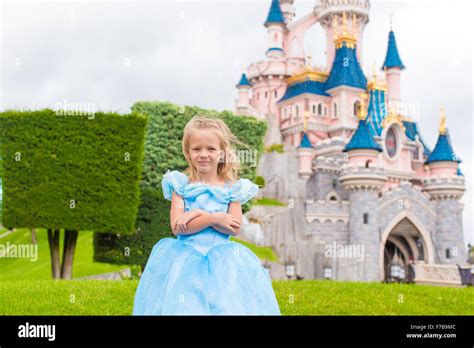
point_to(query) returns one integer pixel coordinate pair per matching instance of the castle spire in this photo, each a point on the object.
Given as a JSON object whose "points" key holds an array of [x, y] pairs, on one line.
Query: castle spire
{"points": [[392, 59], [362, 137], [243, 81], [274, 14], [443, 150]]}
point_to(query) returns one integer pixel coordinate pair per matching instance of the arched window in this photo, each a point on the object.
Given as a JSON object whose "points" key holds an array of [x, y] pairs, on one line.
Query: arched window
{"points": [[314, 109], [356, 108], [266, 94], [320, 109], [367, 164], [448, 253], [296, 110], [333, 197], [276, 94], [258, 95], [325, 111], [335, 109]]}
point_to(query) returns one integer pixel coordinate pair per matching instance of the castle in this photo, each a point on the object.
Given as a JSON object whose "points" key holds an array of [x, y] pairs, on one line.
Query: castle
{"points": [[365, 195]]}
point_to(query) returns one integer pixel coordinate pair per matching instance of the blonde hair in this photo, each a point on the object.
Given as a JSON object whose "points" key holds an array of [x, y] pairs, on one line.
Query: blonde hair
{"points": [[228, 168]]}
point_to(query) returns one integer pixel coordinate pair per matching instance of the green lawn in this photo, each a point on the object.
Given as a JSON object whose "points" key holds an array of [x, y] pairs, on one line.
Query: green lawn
{"points": [[26, 288], [263, 253], [28, 269], [311, 297]]}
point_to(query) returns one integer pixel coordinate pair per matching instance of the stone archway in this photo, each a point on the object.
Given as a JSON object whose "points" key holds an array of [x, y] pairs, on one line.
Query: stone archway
{"points": [[404, 238]]}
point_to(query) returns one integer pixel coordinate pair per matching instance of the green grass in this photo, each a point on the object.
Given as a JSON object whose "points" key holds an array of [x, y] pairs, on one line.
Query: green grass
{"points": [[269, 201], [306, 297], [28, 269], [323, 297], [263, 253]]}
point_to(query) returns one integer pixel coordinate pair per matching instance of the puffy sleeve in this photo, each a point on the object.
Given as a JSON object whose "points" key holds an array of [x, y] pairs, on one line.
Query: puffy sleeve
{"points": [[173, 181], [242, 191]]}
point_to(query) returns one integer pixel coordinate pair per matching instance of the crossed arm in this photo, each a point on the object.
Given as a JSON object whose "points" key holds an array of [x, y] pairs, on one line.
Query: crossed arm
{"points": [[197, 219]]}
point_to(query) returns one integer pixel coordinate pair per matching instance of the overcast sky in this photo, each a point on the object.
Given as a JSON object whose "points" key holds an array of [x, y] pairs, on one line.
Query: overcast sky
{"points": [[106, 55]]}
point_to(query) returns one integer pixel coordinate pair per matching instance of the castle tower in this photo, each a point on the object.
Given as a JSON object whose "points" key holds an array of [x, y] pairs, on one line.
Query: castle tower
{"points": [[393, 66], [446, 188], [276, 29], [364, 181], [267, 77], [242, 103], [330, 12], [346, 79]]}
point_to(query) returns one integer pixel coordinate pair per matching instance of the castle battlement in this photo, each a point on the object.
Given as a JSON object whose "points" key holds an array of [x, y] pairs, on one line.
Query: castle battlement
{"points": [[444, 179]]}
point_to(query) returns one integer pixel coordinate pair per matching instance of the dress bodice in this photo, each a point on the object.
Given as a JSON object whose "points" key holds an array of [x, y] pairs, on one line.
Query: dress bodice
{"points": [[210, 198]]}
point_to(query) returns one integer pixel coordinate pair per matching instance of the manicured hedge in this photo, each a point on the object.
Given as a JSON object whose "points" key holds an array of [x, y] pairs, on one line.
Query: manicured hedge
{"points": [[71, 172]]}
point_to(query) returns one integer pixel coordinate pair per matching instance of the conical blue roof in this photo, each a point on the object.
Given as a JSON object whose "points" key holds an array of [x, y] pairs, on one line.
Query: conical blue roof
{"points": [[274, 15], [392, 59], [346, 70], [243, 81], [443, 150], [362, 139], [305, 143]]}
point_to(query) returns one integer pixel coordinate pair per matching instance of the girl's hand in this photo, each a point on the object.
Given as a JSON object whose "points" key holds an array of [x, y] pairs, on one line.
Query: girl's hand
{"points": [[183, 219], [227, 221]]}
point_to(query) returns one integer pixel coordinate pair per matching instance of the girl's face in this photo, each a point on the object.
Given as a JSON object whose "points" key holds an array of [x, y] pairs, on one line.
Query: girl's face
{"points": [[205, 150]]}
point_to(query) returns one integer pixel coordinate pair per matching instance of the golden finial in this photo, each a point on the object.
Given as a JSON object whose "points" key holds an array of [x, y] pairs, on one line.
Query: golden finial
{"points": [[361, 112], [374, 82], [442, 122]]}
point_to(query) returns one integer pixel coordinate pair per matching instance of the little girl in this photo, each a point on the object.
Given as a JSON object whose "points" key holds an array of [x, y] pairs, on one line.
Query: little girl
{"points": [[202, 271]]}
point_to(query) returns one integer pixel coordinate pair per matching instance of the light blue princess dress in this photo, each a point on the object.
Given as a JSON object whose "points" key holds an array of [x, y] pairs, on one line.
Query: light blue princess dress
{"points": [[204, 273]]}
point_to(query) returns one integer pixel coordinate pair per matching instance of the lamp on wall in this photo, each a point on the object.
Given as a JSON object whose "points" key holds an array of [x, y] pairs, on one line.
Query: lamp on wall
{"points": [[290, 269], [327, 273]]}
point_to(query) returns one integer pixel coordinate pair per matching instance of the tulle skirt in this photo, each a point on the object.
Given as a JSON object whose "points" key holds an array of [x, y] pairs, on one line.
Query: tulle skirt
{"points": [[226, 279]]}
